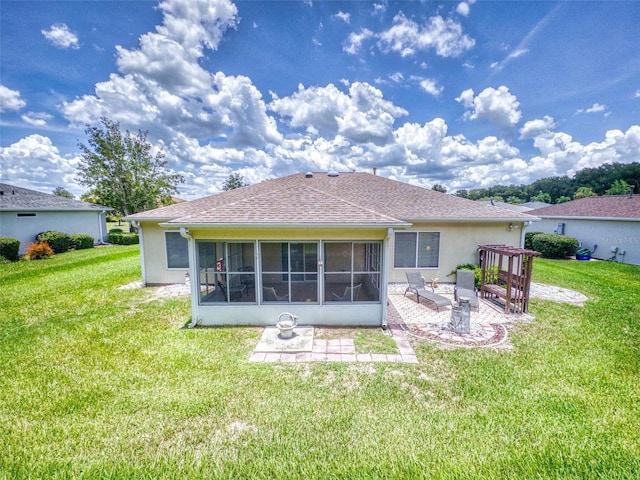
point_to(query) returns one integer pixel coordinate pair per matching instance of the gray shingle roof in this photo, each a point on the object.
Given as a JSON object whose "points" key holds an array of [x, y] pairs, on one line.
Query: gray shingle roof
{"points": [[608, 206], [353, 198], [22, 199]]}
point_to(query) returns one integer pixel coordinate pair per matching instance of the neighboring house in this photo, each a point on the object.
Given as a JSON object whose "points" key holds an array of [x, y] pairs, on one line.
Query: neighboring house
{"points": [[514, 207], [25, 213], [608, 225], [321, 246]]}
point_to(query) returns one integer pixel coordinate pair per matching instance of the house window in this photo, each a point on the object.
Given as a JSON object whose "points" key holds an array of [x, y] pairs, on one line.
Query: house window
{"points": [[177, 250], [352, 271], [416, 250], [226, 272], [25, 214], [289, 272]]}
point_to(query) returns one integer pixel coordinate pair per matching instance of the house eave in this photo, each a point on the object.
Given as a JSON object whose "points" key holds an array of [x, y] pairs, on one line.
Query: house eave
{"points": [[316, 226], [577, 217], [530, 218]]}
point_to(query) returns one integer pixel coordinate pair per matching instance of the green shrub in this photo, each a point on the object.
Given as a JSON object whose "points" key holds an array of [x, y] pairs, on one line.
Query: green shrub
{"points": [[552, 245], [490, 276], [123, 238], [528, 239], [9, 248], [39, 250], [58, 241], [116, 230], [81, 241]]}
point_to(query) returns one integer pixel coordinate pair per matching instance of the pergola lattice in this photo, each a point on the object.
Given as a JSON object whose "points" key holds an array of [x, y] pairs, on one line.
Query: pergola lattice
{"points": [[506, 274]]}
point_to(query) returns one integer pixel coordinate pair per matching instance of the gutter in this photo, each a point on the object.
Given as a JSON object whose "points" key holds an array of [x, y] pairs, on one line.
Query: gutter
{"points": [[576, 217], [350, 226]]}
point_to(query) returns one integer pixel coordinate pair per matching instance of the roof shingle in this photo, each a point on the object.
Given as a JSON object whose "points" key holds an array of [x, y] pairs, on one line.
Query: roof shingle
{"points": [[353, 198], [608, 206], [17, 198]]}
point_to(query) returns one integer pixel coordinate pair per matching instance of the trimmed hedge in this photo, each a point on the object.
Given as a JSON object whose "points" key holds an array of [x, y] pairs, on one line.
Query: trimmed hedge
{"points": [[58, 241], [552, 245], [123, 238], [81, 241], [9, 248], [528, 239]]}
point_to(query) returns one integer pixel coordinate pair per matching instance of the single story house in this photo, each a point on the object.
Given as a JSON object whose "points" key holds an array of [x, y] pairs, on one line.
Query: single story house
{"points": [[25, 213], [607, 225], [323, 246]]}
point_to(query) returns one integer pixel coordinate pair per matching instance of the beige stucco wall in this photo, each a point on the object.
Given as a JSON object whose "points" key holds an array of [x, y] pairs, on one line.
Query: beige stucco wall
{"points": [[154, 258], [458, 245]]}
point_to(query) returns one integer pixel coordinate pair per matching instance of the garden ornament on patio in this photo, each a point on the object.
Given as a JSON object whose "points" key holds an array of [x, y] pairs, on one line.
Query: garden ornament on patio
{"points": [[286, 326]]}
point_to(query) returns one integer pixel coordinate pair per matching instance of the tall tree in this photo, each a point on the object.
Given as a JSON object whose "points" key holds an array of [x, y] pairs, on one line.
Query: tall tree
{"points": [[62, 192], [439, 188], [619, 187], [234, 181], [121, 170]]}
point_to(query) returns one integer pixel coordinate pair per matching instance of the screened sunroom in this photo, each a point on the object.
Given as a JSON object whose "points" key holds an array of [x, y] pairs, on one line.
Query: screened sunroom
{"points": [[280, 272], [324, 282]]}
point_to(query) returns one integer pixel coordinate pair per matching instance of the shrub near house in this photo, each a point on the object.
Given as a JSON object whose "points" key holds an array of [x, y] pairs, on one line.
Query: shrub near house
{"points": [[552, 245], [9, 248]]}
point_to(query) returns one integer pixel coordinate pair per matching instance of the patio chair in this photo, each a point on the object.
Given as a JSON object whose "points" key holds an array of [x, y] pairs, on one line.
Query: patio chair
{"points": [[346, 296], [269, 295], [416, 285], [465, 287]]}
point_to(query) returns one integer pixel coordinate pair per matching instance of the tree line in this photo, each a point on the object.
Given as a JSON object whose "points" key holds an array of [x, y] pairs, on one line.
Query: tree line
{"points": [[607, 179]]}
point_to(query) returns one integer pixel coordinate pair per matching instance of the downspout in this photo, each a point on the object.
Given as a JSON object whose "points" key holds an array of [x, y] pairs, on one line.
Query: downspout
{"points": [[193, 274], [384, 281], [522, 232], [100, 217], [143, 260]]}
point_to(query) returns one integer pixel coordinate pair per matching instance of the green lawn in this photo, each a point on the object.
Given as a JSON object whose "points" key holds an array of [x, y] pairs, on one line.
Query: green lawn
{"points": [[98, 382]]}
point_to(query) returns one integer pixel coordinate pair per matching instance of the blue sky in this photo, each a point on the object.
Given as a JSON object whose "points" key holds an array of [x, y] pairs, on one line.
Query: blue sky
{"points": [[462, 94]]}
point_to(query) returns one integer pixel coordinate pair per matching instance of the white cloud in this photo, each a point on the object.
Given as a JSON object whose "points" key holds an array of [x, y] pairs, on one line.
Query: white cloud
{"points": [[361, 116], [353, 43], [162, 87], [637, 95], [345, 17], [46, 166], [407, 37], [595, 108], [498, 106], [463, 9], [537, 127], [37, 119], [431, 87], [10, 99], [61, 37]]}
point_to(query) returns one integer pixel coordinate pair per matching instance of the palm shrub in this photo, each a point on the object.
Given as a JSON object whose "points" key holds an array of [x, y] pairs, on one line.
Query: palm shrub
{"points": [[9, 248], [58, 241], [39, 250], [553, 245], [81, 241]]}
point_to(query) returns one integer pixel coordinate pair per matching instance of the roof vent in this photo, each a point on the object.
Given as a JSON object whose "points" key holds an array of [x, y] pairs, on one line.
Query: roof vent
{"points": [[332, 173], [308, 175]]}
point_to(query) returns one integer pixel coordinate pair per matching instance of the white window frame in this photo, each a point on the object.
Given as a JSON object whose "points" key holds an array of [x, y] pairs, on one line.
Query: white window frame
{"points": [[166, 251], [416, 266]]}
